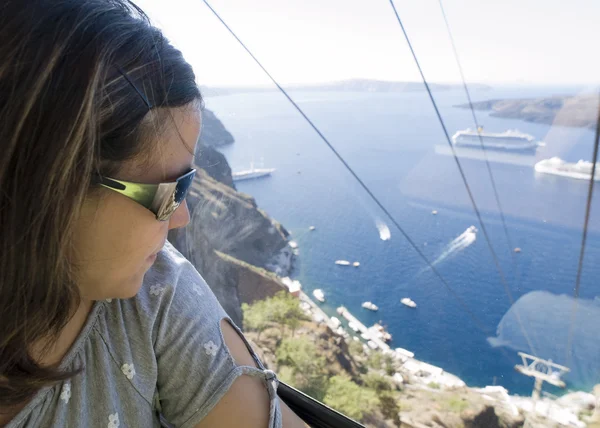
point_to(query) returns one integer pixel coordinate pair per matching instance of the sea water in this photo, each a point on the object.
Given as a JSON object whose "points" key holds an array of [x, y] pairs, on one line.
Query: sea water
{"points": [[396, 145]]}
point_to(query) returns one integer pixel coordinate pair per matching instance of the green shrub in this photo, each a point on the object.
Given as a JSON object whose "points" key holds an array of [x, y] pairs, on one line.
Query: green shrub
{"points": [[375, 360], [376, 382], [356, 348], [282, 309], [456, 404], [388, 365], [388, 404], [255, 316], [307, 369], [349, 398]]}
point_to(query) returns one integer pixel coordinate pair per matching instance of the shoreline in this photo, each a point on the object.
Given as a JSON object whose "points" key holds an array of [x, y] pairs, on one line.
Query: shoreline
{"points": [[426, 372], [563, 410]]}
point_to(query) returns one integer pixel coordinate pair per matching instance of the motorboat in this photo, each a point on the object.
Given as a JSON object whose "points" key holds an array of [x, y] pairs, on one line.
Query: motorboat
{"points": [[370, 306], [408, 302]]}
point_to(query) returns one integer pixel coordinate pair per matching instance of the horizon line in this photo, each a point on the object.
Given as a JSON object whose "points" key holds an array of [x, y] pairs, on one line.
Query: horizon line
{"points": [[269, 85]]}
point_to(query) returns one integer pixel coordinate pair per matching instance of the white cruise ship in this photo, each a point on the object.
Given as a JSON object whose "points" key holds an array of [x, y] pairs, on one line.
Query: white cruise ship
{"points": [[582, 170], [252, 173], [511, 140]]}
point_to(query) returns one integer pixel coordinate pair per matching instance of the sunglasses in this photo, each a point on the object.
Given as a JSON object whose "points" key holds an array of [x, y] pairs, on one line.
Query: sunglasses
{"points": [[162, 199]]}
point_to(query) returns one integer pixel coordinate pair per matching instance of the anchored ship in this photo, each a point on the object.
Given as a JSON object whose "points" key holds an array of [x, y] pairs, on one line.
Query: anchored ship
{"points": [[582, 170], [510, 140]]}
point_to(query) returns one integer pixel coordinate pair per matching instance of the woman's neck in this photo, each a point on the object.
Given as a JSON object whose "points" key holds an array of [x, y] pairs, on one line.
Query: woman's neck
{"points": [[51, 354]]}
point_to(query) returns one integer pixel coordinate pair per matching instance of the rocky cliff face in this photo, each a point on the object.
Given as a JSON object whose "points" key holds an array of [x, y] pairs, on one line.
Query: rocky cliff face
{"points": [[207, 158], [228, 222], [253, 283], [226, 226], [214, 133], [214, 164]]}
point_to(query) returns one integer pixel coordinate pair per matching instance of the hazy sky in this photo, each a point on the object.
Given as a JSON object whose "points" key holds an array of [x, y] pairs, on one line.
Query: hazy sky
{"points": [[301, 41]]}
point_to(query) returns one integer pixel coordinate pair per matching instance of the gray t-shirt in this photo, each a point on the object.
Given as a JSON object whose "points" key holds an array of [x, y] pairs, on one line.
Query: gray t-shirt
{"points": [[157, 359]]}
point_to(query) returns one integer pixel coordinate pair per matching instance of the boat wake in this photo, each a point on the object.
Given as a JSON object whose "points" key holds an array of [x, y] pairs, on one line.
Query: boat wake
{"points": [[464, 240], [384, 230]]}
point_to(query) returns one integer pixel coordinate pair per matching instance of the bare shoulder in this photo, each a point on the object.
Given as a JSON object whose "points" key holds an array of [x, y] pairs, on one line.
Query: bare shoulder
{"points": [[247, 401]]}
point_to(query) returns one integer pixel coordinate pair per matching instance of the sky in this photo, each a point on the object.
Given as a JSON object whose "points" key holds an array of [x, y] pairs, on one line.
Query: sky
{"points": [[546, 42]]}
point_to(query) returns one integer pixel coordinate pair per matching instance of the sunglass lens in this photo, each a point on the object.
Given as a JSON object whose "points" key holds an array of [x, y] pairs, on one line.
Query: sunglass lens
{"points": [[183, 185]]}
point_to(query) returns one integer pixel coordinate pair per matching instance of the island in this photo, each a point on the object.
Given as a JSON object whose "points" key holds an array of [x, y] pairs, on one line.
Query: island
{"points": [[575, 110]]}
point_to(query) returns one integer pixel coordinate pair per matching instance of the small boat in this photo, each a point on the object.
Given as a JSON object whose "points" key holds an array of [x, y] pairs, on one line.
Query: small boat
{"points": [[251, 173], [517, 250], [293, 244], [408, 302], [370, 306], [311, 228], [434, 212], [356, 264], [342, 262], [319, 295]]}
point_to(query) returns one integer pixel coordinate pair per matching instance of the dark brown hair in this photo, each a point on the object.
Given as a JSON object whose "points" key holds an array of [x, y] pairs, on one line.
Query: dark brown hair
{"points": [[77, 80]]}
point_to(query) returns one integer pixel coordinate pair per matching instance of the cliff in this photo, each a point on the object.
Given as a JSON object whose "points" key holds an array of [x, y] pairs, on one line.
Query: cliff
{"points": [[576, 111], [214, 164], [207, 157], [226, 226], [253, 283], [214, 133], [224, 221]]}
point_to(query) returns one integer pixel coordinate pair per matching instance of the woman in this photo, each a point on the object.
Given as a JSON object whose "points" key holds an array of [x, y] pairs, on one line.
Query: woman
{"points": [[103, 323]]}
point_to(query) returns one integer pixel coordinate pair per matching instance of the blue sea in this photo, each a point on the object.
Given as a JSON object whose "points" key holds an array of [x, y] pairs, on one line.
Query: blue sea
{"points": [[396, 145]]}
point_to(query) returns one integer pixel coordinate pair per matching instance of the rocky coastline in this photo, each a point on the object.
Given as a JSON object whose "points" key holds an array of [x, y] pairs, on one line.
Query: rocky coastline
{"points": [[575, 111]]}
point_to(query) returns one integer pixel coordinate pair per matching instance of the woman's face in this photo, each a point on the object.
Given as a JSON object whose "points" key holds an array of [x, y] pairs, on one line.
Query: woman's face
{"points": [[116, 239]]}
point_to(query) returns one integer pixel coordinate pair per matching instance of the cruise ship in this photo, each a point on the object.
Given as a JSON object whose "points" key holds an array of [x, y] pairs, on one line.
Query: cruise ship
{"points": [[510, 140], [252, 173], [582, 170]]}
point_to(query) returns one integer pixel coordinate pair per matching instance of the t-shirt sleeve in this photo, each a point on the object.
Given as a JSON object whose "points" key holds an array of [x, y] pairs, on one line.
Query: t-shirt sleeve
{"points": [[194, 366]]}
